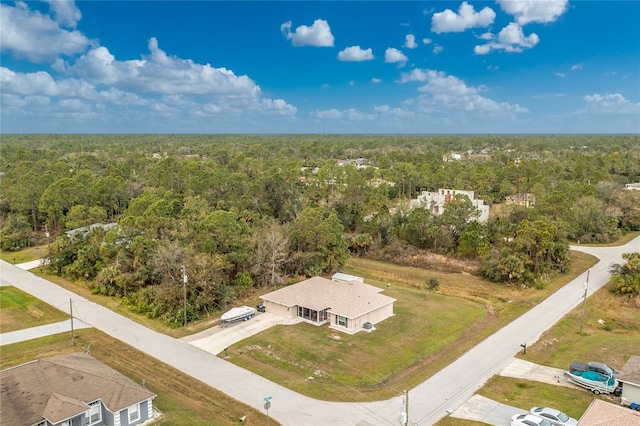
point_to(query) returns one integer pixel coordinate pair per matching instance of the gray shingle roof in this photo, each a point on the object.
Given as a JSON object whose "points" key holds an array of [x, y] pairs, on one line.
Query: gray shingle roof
{"points": [[630, 373], [61, 387], [349, 300]]}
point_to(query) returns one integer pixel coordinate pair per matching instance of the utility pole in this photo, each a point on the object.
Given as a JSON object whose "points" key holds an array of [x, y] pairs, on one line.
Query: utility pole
{"points": [[71, 311], [584, 301], [184, 288]]}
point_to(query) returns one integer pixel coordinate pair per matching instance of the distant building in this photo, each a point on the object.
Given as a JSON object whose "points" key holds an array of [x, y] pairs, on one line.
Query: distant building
{"points": [[632, 186], [452, 156], [435, 202], [525, 200], [85, 230]]}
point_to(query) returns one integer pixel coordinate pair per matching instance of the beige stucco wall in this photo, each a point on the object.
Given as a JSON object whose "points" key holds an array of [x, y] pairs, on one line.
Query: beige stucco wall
{"points": [[374, 317], [280, 310], [631, 393], [356, 324]]}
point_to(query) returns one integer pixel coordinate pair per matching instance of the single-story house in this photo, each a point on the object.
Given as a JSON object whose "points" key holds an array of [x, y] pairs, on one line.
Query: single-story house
{"points": [[345, 306], [632, 186], [602, 413], [85, 230], [72, 390], [629, 376]]}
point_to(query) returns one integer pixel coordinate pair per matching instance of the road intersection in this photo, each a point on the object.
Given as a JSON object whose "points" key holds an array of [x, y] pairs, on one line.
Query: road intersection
{"points": [[430, 401]]}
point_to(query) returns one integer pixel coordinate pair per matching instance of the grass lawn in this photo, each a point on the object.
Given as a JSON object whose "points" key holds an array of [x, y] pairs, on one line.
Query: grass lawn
{"points": [[183, 399], [429, 331], [24, 255], [612, 342], [21, 310], [526, 394]]}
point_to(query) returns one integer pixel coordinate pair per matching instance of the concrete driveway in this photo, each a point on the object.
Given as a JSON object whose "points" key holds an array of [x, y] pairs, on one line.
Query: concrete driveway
{"points": [[487, 411], [215, 339]]}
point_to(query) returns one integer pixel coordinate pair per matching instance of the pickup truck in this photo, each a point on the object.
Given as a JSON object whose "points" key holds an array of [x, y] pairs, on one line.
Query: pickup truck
{"points": [[598, 367]]}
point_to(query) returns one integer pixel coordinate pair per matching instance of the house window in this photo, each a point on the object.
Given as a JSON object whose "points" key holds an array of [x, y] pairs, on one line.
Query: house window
{"points": [[134, 412], [341, 320], [95, 412], [66, 423]]}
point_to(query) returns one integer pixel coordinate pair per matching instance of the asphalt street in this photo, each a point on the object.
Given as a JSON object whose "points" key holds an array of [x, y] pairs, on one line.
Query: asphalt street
{"points": [[430, 401]]}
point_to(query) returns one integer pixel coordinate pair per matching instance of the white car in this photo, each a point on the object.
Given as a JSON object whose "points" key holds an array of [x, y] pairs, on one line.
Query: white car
{"points": [[528, 420], [555, 417]]}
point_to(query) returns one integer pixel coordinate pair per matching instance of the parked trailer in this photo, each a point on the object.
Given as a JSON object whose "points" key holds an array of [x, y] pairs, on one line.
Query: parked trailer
{"points": [[595, 382]]}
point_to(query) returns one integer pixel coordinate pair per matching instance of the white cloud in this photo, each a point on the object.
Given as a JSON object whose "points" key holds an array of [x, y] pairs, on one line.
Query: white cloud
{"points": [[355, 54], [450, 22], [350, 114], [448, 93], [415, 74], [35, 36], [445, 102], [65, 12], [427, 41], [526, 11], [510, 39], [393, 55], [486, 36], [318, 34], [158, 85], [410, 42], [376, 80], [559, 74], [437, 49], [158, 72], [576, 67], [611, 104]]}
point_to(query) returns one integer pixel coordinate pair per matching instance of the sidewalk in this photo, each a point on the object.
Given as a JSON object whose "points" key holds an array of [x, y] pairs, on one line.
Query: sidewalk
{"points": [[41, 331]]}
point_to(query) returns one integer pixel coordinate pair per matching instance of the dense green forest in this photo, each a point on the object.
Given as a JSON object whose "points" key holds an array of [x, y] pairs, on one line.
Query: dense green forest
{"points": [[241, 212]]}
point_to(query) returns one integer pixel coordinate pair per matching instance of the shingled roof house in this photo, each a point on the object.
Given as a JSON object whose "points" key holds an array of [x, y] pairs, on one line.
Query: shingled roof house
{"points": [[630, 378], [71, 390], [345, 306]]}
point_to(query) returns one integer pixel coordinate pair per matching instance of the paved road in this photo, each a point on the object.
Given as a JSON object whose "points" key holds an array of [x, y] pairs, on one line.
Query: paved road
{"points": [[429, 402]]}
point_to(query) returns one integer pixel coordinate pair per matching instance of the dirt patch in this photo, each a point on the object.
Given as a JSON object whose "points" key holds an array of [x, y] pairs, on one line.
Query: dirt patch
{"points": [[34, 312], [427, 260]]}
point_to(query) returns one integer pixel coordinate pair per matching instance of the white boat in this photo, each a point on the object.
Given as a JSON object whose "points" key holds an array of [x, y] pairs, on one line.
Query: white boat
{"points": [[240, 313]]}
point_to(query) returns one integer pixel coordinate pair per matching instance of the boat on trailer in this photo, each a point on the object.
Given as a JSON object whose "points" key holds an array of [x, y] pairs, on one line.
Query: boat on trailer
{"points": [[242, 313], [593, 381]]}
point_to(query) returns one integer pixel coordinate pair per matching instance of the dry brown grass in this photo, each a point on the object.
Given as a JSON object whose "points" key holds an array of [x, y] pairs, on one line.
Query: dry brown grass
{"points": [[612, 340]]}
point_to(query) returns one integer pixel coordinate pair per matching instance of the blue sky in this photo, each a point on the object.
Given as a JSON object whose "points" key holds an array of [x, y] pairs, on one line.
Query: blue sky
{"points": [[505, 66]]}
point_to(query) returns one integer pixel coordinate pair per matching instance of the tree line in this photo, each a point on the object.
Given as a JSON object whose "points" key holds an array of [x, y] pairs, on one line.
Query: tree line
{"points": [[241, 212]]}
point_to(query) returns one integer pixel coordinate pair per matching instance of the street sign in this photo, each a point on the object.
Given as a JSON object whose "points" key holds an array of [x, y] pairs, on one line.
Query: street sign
{"points": [[267, 405]]}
